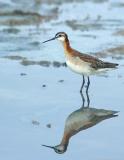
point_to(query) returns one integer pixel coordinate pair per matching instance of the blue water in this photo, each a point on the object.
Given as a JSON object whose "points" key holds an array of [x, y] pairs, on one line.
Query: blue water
{"points": [[91, 28]]}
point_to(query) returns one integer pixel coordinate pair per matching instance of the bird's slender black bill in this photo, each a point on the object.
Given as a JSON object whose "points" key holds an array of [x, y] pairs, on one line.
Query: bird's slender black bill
{"points": [[49, 40], [48, 146]]}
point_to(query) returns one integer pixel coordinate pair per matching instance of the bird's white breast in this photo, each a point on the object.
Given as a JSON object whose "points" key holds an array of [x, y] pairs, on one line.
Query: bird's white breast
{"points": [[79, 66]]}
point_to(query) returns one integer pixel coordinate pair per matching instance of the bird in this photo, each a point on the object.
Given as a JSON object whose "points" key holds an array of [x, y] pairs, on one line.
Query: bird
{"points": [[79, 120], [81, 63]]}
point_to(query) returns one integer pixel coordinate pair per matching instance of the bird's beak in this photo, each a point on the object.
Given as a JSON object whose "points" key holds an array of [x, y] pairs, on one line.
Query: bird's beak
{"points": [[49, 40], [48, 146]]}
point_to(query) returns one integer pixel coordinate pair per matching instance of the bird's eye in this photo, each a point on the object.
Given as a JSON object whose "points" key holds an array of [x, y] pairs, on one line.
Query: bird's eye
{"points": [[60, 35], [58, 151]]}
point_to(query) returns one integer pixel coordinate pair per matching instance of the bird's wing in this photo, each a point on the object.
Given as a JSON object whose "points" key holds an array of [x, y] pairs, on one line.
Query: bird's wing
{"points": [[94, 61]]}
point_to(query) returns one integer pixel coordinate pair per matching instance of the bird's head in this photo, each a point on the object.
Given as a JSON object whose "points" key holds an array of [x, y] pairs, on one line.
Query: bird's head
{"points": [[61, 36], [60, 149]]}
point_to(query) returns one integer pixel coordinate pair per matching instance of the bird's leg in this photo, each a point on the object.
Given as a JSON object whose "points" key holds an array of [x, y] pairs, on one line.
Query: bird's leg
{"points": [[88, 99], [83, 99], [82, 84], [88, 84]]}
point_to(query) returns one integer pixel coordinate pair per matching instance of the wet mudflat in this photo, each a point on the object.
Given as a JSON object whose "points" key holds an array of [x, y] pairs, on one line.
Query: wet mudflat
{"points": [[38, 92]]}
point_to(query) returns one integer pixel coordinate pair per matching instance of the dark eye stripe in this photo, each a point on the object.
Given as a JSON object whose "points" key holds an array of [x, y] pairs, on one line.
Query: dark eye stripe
{"points": [[60, 35]]}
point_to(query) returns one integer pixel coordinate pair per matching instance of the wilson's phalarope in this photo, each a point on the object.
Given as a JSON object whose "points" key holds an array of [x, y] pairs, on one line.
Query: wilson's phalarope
{"points": [[78, 120], [81, 63]]}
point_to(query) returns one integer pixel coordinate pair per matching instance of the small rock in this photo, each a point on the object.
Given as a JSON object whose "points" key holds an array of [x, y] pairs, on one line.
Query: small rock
{"points": [[35, 122], [119, 76], [61, 81], [43, 85], [56, 64], [23, 74], [48, 125], [44, 63]]}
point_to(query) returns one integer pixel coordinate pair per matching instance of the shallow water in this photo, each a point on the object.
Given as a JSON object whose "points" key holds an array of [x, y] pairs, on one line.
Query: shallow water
{"points": [[38, 92]]}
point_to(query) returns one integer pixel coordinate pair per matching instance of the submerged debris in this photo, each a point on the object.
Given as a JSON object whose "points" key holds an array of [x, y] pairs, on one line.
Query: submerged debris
{"points": [[56, 64], [44, 63], [11, 30], [35, 122], [44, 85], [19, 17], [119, 33], [48, 125], [26, 62], [23, 74], [115, 53], [85, 26], [15, 57], [61, 81]]}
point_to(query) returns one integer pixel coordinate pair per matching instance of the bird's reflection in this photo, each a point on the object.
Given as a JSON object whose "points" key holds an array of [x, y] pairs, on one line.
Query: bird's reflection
{"points": [[84, 100], [87, 94], [79, 120]]}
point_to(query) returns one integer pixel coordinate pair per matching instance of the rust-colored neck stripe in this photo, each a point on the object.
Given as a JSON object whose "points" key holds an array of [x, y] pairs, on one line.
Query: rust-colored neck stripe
{"points": [[67, 47]]}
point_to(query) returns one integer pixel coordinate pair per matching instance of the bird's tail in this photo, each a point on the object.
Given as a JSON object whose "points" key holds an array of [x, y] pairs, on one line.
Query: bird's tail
{"points": [[105, 114], [110, 116], [111, 65]]}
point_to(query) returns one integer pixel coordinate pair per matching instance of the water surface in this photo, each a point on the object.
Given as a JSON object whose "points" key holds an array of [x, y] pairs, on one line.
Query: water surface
{"points": [[37, 91]]}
